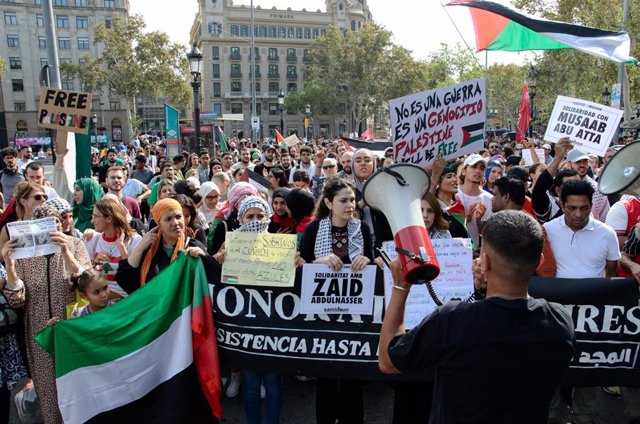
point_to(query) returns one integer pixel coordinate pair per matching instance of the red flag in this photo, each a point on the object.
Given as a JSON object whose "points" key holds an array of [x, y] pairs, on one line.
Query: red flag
{"points": [[524, 117], [348, 146], [367, 135]]}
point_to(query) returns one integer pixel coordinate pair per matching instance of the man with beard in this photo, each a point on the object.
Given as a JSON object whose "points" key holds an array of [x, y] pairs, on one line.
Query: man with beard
{"points": [[227, 161], [268, 162], [115, 184], [142, 172], [111, 160], [245, 160], [167, 172], [580, 164], [476, 201], [281, 222], [345, 161], [285, 161], [306, 164], [27, 153], [10, 175]]}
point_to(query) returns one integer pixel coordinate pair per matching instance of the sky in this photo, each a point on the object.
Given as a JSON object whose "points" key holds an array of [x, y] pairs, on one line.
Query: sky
{"points": [[418, 25]]}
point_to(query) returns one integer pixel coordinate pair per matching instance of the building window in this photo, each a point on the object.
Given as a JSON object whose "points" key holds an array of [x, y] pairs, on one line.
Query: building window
{"points": [[307, 33], [216, 70], [291, 32], [244, 30], [236, 107], [234, 52], [64, 60], [43, 61], [273, 109], [273, 53], [262, 31], [13, 42], [216, 89], [62, 21], [215, 28], [110, 4], [64, 43], [273, 32], [282, 32], [217, 109], [257, 69], [10, 19], [114, 105], [61, 3], [39, 2], [82, 22], [81, 61], [81, 3], [273, 71], [17, 85], [66, 84], [291, 87], [108, 22], [215, 53], [258, 109], [291, 71], [234, 30], [291, 55], [274, 86], [299, 33], [256, 51], [316, 33], [236, 86], [258, 87], [83, 43], [39, 21], [20, 106], [236, 70], [15, 63], [353, 25], [42, 42]]}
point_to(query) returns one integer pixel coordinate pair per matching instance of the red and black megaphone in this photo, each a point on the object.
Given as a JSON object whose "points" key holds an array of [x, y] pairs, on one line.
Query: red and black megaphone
{"points": [[396, 191]]}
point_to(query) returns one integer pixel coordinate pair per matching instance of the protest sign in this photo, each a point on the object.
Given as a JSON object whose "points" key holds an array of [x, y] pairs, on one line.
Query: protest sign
{"points": [[32, 237], [64, 110], [447, 120], [325, 291], [590, 126], [259, 259], [528, 159], [455, 281]]}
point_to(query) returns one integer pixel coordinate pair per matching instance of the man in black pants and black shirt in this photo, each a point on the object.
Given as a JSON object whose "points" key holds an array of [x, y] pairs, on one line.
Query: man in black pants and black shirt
{"points": [[498, 360]]}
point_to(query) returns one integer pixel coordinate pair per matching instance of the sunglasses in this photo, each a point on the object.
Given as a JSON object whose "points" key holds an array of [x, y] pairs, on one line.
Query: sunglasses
{"points": [[40, 197], [328, 166]]}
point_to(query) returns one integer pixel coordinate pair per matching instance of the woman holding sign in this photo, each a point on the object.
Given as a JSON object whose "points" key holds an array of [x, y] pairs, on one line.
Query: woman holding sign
{"points": [[337, 238]]}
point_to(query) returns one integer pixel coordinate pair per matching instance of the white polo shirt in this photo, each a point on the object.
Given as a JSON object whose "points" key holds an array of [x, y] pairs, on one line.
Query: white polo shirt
{"points": [[583, 253]]}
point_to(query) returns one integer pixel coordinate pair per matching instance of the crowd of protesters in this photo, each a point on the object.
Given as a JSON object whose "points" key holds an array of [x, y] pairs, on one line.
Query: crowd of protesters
{"points": [[123, 225]]}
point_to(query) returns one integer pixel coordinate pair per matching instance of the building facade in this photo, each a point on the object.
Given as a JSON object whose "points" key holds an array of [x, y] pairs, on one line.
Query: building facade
{"points": [[24, 46], [282, 42]]}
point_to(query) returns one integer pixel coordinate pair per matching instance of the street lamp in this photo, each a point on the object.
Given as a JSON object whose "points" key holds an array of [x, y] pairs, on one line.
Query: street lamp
{"points": [[307, 111], [281, 97], [94, 127], [532, 81], [606, 96], [195, 60]]}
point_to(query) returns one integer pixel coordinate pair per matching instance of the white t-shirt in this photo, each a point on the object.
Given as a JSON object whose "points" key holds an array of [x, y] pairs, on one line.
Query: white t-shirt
{"points": [[583, 253], [468, 201], [99, 243], [133, 188], [311, 170], [618, 217]]}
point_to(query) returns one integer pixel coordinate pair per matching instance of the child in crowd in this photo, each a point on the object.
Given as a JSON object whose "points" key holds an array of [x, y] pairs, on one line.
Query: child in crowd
{"points": [[93, 288]]}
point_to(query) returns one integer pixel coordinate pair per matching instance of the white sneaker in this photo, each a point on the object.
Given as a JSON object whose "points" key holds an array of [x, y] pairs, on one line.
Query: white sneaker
{"points": [[263, 392], [234, 385], [304, 378]]}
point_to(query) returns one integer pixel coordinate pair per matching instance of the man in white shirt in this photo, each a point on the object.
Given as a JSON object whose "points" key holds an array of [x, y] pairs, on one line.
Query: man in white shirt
{"points": [[306, 164], [26, 158], [476, 201]]}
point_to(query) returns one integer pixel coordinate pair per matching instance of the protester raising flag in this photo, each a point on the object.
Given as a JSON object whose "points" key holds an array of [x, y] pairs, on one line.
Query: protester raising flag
{"points": [[525, 115], [500, 28], [367, 135], [280, 139], [151, 357], [224, 141]]}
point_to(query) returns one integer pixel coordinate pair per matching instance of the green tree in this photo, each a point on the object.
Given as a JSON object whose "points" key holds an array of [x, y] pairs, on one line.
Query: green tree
{"points": [[504, 91], [134, 63]]}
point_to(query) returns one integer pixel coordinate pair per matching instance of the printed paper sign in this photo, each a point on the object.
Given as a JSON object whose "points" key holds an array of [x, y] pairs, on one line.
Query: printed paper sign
{"points": [[260, 259], [528, 160], [455, 281], [64, 110], [325, 291], [32, 237], [590, 126], [447, 120]]}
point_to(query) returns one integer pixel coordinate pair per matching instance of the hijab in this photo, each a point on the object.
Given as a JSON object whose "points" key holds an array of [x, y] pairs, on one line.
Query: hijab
{"points": [[205, 189], [253, 226], [91, 193]]}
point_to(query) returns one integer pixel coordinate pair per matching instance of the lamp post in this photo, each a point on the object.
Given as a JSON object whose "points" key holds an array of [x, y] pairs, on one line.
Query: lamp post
{"points": [[94, 127], [281, 97], [195, 60], [532, 81], [606, 96], [307, 111]]}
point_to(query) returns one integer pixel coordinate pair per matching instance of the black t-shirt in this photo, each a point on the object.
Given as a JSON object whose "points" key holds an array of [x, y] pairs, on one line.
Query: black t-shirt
{"points": [[497, 360]]}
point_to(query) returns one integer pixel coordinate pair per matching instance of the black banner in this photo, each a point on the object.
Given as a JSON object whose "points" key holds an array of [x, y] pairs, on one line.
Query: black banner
{"points": [[261, 328]]}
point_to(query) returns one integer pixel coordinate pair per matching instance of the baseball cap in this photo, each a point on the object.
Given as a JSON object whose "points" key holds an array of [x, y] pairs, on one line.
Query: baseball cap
{"points": [[576, 156], [270, 147], [473, 159], [546, 146]]}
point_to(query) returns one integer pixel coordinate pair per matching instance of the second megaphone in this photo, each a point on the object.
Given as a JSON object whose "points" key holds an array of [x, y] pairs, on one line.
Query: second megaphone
{"points": [[396, 192]]}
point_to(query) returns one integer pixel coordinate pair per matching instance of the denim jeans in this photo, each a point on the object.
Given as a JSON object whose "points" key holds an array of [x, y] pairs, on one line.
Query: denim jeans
{"points": [[251, 382]]}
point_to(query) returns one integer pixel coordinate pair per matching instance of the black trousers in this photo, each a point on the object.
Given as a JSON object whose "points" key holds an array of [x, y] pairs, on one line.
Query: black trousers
{"points": [[412, 402], [339, 399]]}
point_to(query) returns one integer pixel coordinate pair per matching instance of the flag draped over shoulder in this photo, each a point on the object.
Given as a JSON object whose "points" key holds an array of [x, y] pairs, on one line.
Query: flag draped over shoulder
{"points": [[224, 141], [151, 357], [499, 27], [524, 117]]}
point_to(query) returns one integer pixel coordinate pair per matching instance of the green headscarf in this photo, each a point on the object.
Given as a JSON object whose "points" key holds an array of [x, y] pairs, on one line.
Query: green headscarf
{"points": [[91, 193]]}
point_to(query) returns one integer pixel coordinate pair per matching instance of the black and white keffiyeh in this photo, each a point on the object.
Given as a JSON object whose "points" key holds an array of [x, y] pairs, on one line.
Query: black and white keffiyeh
{"points": [[324, 238]]}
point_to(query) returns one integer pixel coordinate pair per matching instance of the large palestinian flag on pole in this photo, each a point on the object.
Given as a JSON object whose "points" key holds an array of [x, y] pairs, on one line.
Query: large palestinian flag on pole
{"points": [[498, 27], [151, 357]]}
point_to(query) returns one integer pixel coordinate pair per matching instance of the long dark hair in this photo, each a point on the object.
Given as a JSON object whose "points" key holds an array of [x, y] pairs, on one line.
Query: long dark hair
{"points": [[279, 174], [331, 187], [186, 202]]}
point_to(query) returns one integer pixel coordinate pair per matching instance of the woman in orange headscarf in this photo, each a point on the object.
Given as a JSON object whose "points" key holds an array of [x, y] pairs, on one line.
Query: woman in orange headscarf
{"points": [[160, 246]]}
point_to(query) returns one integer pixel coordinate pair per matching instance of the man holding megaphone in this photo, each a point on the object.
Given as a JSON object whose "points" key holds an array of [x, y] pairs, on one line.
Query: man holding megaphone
{"points": [[478, 348]]}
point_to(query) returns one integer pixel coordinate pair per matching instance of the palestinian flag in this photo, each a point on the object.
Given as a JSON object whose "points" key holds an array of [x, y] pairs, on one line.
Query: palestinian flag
{"points": [[457, 212], [472, 133], [258, 181], [500, 28], [151, 357], [224, 141], [280, 139]]}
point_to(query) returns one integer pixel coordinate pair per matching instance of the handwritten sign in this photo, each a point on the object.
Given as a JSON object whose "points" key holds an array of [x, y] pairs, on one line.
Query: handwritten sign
{"points": [[447, 120], [64, 110], [260, 259], [325, 291], [528, 159], [590, 126], [455, 281]]}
